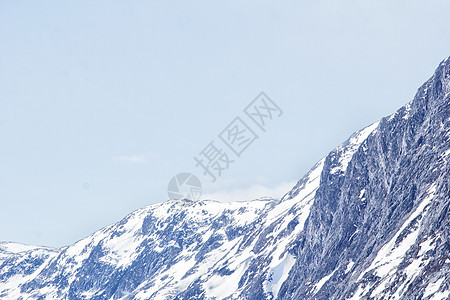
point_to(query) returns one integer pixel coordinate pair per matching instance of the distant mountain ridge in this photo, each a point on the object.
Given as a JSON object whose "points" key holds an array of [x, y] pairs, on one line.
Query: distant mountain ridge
{"points": [[369, 221]]}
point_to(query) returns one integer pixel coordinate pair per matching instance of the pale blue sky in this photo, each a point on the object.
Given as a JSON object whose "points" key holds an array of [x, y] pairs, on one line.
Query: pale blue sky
{"points": [[102, 102]]}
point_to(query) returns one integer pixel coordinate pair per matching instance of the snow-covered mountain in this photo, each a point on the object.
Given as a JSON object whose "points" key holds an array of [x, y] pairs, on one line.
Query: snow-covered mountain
{"points": [[369, 221]]}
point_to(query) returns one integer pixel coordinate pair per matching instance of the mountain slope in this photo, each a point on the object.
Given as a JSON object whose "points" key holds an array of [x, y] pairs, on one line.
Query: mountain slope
{"points": [[19, 264], [370, 220], [380, 228]]}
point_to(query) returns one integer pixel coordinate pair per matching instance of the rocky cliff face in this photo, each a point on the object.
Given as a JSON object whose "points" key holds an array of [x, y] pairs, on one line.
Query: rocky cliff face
{"points": [[370, 220], [380, 226]]}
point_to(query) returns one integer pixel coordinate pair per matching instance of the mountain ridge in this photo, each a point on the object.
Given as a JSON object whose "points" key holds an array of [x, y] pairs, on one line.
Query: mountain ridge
{"points": [[369, 220]]}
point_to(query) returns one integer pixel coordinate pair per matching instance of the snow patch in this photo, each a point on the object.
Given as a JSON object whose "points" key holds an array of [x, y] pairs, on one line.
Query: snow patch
{"points": [[346, 151], [391, 255], [349, 266], [322, 281], [432, 288], [15, 248], [278, 275]]}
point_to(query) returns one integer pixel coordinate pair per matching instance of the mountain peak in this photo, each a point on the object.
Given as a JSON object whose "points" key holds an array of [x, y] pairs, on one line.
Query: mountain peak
{"points": [[369, 220]]}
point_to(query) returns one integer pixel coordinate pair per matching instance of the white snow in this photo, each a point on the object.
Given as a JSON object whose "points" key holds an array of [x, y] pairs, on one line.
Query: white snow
{"points": [[18, 248], [446, 154], [441, 296], [279, 275], [361, 195], [346, 152], [408, 109], [349, 266], [432, 288], [354, 233], [322, 281], [390, 255], [10, 286], [224, 286]]}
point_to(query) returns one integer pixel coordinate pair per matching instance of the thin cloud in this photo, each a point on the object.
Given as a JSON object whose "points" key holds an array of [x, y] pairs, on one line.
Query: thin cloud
{"points": [[250, 193]]}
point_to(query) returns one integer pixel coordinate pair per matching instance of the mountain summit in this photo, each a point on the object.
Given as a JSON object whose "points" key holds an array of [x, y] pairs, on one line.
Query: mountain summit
{"points": [[369, 221]]}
